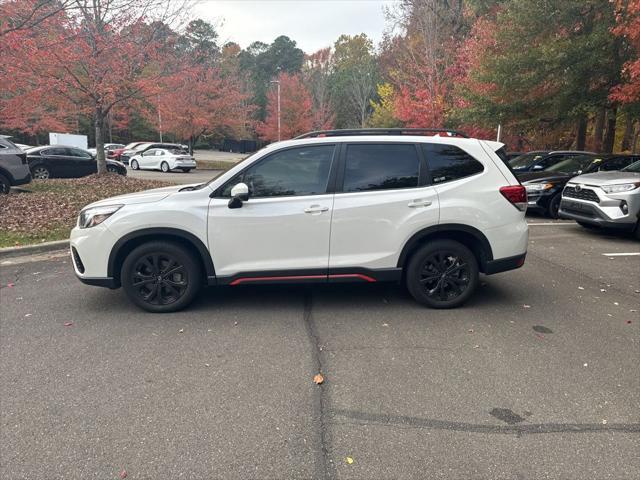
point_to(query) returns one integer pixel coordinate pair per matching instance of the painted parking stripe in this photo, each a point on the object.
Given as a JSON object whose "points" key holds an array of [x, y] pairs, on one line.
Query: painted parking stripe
{"points": [[630, 254]]}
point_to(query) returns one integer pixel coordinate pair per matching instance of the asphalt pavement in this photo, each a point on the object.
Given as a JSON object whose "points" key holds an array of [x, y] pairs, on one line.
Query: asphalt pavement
{"points": [[536, 377]]}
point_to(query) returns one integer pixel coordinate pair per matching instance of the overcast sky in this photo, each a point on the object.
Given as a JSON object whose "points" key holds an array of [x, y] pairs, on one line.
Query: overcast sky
{"points": [[313, 24]]}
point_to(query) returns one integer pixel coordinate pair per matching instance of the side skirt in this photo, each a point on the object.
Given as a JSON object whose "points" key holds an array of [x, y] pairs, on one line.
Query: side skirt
{"points": [[333, 275]]}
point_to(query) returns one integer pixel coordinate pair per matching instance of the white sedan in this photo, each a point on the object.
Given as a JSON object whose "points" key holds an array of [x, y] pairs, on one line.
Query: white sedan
{"points": [[163, 159]]}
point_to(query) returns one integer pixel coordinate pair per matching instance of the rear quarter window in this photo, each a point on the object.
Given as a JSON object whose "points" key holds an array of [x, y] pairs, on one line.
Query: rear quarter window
{"points": [[448, 162]]}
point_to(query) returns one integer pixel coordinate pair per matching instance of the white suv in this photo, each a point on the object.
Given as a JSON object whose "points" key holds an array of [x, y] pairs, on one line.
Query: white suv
{"points": [[425, 207]]}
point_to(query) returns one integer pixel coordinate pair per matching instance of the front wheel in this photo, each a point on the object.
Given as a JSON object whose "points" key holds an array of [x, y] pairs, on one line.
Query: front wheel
{"points": [[111, 169], [161, 277], [442, 274], [164, 166], [134, 165], [40, 172], [554, 206], [5, 185]]}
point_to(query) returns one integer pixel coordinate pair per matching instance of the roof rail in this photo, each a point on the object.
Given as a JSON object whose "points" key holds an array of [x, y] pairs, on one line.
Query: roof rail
{"points": [[381, 131]]}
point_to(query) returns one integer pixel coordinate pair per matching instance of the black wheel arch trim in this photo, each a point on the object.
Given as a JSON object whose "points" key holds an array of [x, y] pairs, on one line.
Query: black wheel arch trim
{"points": [[157, 231], [420, 236]]}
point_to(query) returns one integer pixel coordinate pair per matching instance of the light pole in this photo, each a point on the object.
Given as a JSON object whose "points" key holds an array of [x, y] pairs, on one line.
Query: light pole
{"points": [[159, 120], [278, 83]]}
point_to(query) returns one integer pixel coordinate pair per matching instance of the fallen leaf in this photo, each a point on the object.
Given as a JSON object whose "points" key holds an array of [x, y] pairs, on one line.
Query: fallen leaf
{"points": [[603, 289], [540, 336], [470, 330], [586, 365], [616, 303], [526, 306], [580, 288], [27, 314], [628, 321], [9, 285], [123, 474], [349, 460], [181, 330], [604, 422], [68, 324], [385, 324], [318, 379]]}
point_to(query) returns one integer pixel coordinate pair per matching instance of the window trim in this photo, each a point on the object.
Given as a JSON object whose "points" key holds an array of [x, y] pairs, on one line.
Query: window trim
{"points": [[423, 172], [431, 182], [330, 183]]}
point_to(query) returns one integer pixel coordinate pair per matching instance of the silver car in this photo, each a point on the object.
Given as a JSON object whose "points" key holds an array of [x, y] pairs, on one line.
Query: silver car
{"points": [[604, 199]]}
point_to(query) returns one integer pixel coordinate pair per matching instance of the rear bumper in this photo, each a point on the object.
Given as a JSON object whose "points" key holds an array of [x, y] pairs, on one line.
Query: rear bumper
{"points": [[504, 264]]}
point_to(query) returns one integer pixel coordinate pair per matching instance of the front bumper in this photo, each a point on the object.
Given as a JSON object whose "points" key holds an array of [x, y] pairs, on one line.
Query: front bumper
{"points": [[587, 213], [90, 250], [602, 209]]}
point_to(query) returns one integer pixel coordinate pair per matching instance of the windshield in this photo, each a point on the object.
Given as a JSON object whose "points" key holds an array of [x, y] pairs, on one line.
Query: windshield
{"points": [[131, 145], [572, 164], [526, 159], [634, 167]]}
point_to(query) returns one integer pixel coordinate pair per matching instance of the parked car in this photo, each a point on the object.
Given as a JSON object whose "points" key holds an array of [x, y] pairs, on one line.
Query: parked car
{"points": [[605, 199], [108, 147], [539, 161], [56, 161], [331, 206], [13, 166], [164, 159], [512, 155], [117, 153], [23, 147], [125, 157], [544, 189]]}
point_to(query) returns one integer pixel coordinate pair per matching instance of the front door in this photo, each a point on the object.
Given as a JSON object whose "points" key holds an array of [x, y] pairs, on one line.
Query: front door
{"points": [[283, 230]]}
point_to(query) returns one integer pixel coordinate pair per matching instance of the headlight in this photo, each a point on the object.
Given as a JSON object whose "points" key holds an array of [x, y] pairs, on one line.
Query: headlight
{"points": [[537, 187], [623, 187], [91, 217]]}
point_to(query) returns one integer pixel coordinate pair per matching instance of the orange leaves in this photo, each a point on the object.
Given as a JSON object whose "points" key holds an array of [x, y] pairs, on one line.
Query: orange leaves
{"points": [[318, 379]]}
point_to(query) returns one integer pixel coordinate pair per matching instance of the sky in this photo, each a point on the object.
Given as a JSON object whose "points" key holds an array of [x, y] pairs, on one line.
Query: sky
{"points": [[313, 24]]}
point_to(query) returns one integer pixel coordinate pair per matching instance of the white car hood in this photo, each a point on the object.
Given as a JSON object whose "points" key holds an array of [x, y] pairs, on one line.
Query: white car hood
{"points": [[607, 178], [145, 196]]}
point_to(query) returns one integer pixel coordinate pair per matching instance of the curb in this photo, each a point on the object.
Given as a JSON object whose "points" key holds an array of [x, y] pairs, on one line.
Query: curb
{"points": [[10, 252]]}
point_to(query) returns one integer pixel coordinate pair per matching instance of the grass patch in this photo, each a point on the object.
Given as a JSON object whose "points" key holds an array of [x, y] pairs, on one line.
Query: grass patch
{"points": [[48, 210], [214, 165]]}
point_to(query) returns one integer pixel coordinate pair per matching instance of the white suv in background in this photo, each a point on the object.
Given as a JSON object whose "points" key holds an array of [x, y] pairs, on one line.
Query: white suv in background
{"points": [[425, 207]]}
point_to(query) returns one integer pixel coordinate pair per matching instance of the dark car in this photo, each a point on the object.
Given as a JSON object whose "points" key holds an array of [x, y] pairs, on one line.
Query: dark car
{"points": [[541, 160], [512, 155], [126, 155], [13, 165], [59, 161], [544, 189], [117, 153]]}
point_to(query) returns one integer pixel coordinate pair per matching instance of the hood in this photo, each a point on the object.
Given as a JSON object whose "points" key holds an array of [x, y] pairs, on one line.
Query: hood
{"points": [[540, 177], [146, 196], [607, 178]]}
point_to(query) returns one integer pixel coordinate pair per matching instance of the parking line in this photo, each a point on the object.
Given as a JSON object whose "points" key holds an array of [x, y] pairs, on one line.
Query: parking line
{"points": [[631, 254]]}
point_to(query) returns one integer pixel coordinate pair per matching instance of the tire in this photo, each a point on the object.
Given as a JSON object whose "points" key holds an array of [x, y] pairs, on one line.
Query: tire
{"points": [[164, 166], [5, 185], [134, 165], [636, 232], [112, 169], [554, 206], [425, 270], [40, 172], [186, 170], [153, 260]]}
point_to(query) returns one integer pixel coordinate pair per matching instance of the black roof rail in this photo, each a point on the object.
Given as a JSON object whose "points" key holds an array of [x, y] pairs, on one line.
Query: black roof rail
{"points": [[380, 131]]}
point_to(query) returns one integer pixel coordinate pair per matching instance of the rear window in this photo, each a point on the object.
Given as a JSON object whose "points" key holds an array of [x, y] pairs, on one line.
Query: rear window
{"points": [[448, 162], [381, 167]]}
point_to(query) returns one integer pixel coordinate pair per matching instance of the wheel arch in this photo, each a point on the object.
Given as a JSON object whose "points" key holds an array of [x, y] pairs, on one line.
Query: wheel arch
{"points": [[132, 240], [469, 236], [7, 174]]}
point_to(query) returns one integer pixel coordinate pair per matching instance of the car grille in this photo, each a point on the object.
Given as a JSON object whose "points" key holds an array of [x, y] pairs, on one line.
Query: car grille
{"points": [[582, 194]]}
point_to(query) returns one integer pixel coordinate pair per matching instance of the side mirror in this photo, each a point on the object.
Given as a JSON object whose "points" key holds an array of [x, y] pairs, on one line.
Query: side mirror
{"points": [[538, 167], [239, 194]]}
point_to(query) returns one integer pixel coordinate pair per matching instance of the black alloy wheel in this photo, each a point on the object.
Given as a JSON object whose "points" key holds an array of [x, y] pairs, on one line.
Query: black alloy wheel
{"points": [[161, 276], [5, 185], [554, 206], [442, 274]]}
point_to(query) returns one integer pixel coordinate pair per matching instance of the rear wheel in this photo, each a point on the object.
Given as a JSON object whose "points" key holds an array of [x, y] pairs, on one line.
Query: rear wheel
{"points": [[164, 166], [112, 169], [5, 185], [442, 274], [554, 206], [161, 277], [134, 165], [40, 172]]}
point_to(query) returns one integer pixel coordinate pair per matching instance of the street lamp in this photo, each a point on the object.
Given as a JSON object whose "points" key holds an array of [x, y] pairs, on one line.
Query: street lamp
{"points": [[278, 83]]}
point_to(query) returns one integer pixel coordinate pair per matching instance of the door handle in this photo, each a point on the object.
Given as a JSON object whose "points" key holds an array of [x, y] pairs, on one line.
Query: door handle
{"points": [[419, 203], [315, 209]]}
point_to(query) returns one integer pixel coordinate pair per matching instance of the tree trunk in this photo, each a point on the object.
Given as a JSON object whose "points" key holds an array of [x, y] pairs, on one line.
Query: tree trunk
{"points": [[581, 137], [628, 133], [598, 130], [634, 144], [99, 121], [610, 135]]}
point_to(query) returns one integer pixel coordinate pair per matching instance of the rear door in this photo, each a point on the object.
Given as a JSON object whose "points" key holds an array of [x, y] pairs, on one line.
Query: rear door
{"points": [[81, 163], [57, 161], [382, 199]]}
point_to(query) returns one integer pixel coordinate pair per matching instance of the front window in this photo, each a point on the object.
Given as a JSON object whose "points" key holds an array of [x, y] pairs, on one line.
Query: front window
{"points": [[573, 164], [634, 168]]}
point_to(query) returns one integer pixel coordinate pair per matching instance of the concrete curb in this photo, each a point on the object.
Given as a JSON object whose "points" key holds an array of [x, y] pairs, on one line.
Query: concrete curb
{"points": [[10, 252]]}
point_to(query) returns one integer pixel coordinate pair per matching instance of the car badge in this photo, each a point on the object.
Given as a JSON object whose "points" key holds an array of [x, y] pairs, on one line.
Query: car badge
{"points": [[578, 188]]}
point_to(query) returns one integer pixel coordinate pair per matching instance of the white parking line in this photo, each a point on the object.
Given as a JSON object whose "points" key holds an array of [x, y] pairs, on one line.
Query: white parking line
{"points": [[632, 254]]}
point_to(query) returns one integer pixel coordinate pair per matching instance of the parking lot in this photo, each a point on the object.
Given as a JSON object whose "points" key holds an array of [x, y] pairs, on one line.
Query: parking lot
{"points": [[536, 377]]}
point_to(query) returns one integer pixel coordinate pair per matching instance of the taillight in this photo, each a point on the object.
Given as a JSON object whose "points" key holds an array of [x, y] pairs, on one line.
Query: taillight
{"points": [[517, 196]]}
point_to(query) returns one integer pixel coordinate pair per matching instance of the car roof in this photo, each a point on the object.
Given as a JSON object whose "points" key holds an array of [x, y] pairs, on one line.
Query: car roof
{"points": [[582, 152], [381, 138], [42, 147]]}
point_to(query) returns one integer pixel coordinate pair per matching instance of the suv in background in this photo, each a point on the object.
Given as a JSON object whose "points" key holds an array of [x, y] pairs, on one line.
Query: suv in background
{"points": [[14, 169], [334, 206], [605, 199]]}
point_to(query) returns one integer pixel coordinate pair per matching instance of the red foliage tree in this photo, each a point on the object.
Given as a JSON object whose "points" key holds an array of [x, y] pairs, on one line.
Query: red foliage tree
{"points": [[628, 27], [296, 110]]}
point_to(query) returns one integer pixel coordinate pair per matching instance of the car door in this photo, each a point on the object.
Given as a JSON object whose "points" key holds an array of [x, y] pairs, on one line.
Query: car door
{"points": [[382, 198], [282, 230], [147, 159], [57, 160], [81, 163]]}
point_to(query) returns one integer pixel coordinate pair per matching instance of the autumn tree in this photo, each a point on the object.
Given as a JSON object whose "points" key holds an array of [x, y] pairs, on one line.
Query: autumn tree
{"points": [[296, 106], [317, 77]]}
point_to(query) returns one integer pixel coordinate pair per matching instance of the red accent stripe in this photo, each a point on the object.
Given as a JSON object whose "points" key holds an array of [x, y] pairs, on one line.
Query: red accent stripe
{"points": [[366, 278], [263, 279]]}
